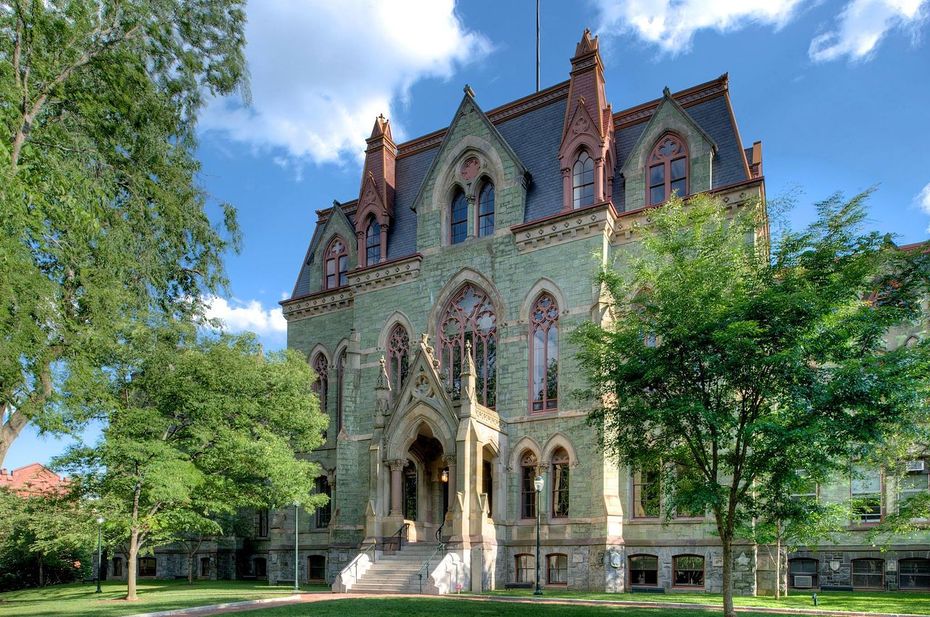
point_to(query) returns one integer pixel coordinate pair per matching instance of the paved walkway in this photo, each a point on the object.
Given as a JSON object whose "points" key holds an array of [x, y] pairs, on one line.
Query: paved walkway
{"points": [[249, 605]]}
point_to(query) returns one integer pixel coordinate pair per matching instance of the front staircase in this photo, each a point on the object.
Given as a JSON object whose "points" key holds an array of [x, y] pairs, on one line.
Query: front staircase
{"points": [[397, 572]]}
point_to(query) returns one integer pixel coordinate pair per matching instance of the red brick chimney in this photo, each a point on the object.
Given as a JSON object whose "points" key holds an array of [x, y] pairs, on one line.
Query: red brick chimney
{"points": [[376, 194]]}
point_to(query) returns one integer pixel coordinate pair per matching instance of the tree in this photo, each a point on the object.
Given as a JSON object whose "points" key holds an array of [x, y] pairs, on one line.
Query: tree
{"points": [[45, 538], [764, 360], [199, 427], [102, 218]]}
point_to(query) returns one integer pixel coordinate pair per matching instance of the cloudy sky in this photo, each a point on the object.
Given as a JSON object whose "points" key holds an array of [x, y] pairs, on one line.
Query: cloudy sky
{"points": [[835, 89]]}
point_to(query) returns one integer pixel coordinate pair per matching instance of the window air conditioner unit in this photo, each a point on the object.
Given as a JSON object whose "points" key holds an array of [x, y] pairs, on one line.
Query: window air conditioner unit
{"points": [[803, 582], [915, 465]]}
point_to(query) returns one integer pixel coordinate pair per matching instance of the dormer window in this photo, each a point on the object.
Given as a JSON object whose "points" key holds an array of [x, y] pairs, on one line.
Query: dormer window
{"points": [[667, 170], [336, 264], [583, 181], [458, 219], [372, 243], [486, 210]]}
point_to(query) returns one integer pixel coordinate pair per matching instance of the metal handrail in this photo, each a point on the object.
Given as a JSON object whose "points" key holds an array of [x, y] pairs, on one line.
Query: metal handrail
{"points": [[401, 535], [373, 557], [439, 531], [425, 566]]}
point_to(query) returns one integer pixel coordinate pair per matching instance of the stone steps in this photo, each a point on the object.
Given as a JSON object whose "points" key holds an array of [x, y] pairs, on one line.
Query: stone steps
{"points": [[396, 572]]}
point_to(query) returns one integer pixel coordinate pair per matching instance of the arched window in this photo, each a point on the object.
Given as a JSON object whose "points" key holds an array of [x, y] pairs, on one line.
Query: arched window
{"points": [[647, 495], [557, 569], [321, 385], [323, 513], [486, 210], [688, 571], [560, 484], [524, 568], [336, 264], [372, 243], [398, 351], [868, 573], [802, 573], [914, 574], [644, 570], [583, 181], [458, 219], [340, 379], [667, 169], [544, 353], [470, 316], [528, 470]]}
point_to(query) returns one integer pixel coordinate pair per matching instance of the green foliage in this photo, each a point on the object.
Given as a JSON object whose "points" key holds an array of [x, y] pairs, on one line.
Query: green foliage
{"points": [[44, 539], [767, 362], [198, 428], [102, 218]]}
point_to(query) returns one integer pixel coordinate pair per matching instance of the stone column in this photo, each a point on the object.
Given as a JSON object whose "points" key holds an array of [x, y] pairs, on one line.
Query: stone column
{"points": [[360, 248], [599, 180], [397, 467], [383, 239], [567, 196]]}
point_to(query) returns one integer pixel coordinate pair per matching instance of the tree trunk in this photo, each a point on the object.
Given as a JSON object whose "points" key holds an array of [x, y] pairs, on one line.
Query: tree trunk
{"points": [[10, 429], [190, 568], [777, 568], [41, 573], [131, 565], [727, 543]]}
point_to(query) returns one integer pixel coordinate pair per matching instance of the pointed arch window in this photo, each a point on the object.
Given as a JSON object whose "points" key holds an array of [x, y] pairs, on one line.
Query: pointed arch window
{"points": [[528, 472], [336, 264], [667, 169], [583, 180], [544, 354], [470, 317], [486, 210], [372, 242], [321, 385], [458, 219], [340, 379], [560, 483], [398, 351]]}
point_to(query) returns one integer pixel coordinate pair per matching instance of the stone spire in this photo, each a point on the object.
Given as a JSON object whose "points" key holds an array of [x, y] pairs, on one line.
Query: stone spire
{"points": [[376, 193]]}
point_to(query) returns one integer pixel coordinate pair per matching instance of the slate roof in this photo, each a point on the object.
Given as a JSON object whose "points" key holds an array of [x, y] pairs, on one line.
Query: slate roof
{"points": [[535, 137]]}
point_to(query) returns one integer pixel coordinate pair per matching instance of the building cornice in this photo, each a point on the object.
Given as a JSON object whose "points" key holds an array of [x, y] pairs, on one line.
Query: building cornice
{"points": [[318, 303], [565, 226], [385, 274]]}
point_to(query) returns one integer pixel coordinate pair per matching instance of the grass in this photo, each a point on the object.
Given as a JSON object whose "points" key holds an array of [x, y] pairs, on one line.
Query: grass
{"points": [[877, 602], [79, 600], [436, 607]]}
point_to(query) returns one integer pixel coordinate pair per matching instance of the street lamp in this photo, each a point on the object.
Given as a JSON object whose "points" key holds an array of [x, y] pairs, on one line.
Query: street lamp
{"points": [[538, 485], [99, 549], [296, 547]]}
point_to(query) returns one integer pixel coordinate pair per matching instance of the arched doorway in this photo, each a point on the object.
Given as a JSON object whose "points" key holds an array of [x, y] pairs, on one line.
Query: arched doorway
{"points": [[420, 485]]}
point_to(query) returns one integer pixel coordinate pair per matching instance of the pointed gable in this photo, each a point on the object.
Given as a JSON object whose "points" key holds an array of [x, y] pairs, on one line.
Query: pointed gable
{"points": [[471, 153], [336, 223]]}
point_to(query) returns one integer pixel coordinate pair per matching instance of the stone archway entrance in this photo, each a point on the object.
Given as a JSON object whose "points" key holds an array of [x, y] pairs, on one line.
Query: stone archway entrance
{"points": [[420, 485]]}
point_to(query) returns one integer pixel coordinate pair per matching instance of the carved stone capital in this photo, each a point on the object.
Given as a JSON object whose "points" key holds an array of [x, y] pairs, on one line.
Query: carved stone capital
{"points": [[396, 464]]}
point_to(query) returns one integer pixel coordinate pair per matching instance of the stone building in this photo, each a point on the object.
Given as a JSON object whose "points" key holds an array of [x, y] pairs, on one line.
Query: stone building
{"points": [[435, 308]]}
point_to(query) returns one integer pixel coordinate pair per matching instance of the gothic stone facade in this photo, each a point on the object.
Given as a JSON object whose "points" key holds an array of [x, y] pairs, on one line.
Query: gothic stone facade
{"points": [[435, 309]]}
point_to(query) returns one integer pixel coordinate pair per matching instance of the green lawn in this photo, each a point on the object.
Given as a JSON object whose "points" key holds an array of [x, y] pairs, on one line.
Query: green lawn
{"points": [[80, 600], [878, 602], [436, 607]]}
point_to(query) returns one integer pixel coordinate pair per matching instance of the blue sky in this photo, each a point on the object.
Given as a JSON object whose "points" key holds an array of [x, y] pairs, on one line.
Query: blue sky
{"points": [[838, 92]]}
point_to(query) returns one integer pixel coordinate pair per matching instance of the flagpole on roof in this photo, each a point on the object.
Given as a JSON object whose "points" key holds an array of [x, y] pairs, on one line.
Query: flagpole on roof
{"points": [[537, 45]]}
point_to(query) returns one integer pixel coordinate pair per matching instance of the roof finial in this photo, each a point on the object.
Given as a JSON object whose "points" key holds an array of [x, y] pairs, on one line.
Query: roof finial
{"points": [[467, 89], [666, 92]]}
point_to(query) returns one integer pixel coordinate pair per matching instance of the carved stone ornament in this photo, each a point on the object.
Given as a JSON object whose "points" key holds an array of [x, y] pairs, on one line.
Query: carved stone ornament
{"points": [[580, 125], [470, 168], [422, 386]]}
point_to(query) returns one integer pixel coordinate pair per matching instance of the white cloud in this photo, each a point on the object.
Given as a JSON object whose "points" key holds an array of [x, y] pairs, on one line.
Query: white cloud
{"points": [[672, 24], [923, 200], [321, 71], [239, 316], [862, 25]]}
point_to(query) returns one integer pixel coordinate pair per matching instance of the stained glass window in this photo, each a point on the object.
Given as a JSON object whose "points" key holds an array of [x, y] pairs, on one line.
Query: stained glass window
{"points": [[470, 316], [544, 353]]}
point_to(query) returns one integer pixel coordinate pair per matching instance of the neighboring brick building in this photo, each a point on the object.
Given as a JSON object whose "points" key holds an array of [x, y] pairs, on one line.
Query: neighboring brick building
{"points": [[33, 479], [435, 308]]}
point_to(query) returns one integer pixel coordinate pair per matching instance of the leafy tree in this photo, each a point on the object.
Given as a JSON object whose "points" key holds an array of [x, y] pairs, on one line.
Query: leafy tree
{"points": [[199, 427], [765, 360], [101, 217], [45, 539]]}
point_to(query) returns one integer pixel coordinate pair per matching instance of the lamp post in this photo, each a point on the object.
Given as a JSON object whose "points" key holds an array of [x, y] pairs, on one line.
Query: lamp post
{"points": [[296, 547], [99, 550], [538, 485]]}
